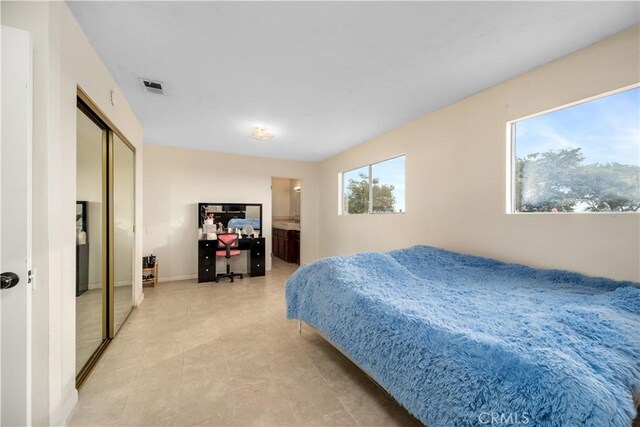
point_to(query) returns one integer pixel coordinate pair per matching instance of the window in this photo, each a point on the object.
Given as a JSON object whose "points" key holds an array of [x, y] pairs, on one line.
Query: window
{"points": [[355, 194], [582, 158], [376, 188]]}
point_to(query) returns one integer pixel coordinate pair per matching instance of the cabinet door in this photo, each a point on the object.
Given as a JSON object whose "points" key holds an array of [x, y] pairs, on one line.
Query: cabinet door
{"points": [[274, 242], [256, 265], [207, 260], [206, 274], [296, 247]]}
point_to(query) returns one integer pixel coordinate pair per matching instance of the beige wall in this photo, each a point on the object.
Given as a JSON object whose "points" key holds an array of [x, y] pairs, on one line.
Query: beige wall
{"points": [[63, 59], [456, 176], [281, 197], [176, 179]]}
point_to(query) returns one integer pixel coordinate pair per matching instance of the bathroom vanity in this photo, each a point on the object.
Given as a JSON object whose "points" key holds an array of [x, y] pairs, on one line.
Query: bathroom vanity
{"points": [[285, 239]]}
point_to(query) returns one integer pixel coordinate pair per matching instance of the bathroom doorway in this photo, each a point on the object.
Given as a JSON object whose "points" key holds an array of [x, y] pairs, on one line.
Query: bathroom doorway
{"points": [[286, 195]]}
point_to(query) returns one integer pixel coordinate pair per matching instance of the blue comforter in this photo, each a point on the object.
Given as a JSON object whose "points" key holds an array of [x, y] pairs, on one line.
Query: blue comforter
{"points": [[461, 340], [241, 222]]}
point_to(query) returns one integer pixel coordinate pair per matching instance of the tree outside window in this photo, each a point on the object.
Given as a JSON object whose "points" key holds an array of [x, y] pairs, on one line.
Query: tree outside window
{"points": [[377, 188], [584, 158]]}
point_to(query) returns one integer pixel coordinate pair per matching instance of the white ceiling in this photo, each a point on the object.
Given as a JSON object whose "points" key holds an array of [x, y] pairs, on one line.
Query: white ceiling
{"points": [[323, 76]]}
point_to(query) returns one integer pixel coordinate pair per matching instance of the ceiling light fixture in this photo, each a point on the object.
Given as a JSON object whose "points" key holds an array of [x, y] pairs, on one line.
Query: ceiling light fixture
{"points": [[260, 133]]}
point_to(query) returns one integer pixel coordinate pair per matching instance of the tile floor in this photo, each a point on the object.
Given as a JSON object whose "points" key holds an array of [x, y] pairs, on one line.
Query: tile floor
{"points": [[88, 325], [89, 319], [225, 355]]}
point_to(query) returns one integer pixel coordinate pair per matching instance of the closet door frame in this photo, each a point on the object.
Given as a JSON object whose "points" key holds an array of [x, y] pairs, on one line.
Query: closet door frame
{"points": [[91, 110], [111, 193]]}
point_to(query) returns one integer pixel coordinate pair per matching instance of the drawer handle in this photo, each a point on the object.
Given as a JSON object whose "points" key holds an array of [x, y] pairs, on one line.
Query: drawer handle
{"points": [[258, 265], [206, 257], [206, 269]]}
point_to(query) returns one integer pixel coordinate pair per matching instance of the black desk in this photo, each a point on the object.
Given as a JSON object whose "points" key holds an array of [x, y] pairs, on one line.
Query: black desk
{"points": [[207, 257]]}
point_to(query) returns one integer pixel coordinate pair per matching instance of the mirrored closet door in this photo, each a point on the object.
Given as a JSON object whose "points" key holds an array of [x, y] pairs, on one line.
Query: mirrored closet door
{"points": [[105, 227], [90, 243], [123, 161]]}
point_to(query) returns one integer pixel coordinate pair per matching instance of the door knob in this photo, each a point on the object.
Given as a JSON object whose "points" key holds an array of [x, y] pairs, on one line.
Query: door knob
{"points": [[8, 280]]}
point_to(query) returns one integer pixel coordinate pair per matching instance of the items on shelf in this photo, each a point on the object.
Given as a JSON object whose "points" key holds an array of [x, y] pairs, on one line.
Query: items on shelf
{"points": [[149, 270], [148, 261]]}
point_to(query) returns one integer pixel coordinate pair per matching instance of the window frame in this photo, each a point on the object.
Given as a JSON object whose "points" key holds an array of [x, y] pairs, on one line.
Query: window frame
{"points": [[370, 204], [511, 155]]}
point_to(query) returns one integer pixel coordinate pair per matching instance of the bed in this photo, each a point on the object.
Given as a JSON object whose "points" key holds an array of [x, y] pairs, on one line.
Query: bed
{"points": [[241, 222], [461, 340]]}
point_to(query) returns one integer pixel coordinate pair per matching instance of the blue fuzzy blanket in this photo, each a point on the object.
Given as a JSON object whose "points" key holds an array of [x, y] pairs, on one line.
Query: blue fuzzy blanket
{"points": [[461, 340], [241, 222]]}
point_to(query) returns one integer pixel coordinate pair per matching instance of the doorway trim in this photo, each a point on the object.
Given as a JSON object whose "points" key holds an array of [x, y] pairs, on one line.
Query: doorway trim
{"points": [[102, 116]]}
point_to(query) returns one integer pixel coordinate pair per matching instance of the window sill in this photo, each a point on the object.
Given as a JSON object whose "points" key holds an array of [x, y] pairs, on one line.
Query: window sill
{"points": [[572, 213], [373, 214]]}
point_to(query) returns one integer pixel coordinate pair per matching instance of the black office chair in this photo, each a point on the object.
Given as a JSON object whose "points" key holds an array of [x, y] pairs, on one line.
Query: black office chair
{"points": [[228, 242]]}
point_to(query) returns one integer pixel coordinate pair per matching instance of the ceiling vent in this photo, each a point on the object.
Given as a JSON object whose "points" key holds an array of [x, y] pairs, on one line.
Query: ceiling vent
{"points": [[152, 86]]}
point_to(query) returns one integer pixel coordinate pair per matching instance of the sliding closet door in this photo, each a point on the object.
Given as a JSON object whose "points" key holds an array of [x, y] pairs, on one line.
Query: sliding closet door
{"points": [[123, 218], [90, 239], [105, 217]]}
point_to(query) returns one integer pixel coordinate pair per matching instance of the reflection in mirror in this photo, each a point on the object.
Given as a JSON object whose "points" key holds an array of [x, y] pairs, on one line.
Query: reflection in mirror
{"points": [[233, 215], [253, 212], [89, 279], [123, 220]]}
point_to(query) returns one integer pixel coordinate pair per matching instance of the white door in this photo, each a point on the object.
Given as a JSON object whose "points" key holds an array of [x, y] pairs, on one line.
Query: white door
{"points": [[15, 230]]}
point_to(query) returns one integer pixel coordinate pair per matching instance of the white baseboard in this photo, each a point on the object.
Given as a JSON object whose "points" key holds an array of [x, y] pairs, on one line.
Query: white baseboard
{"points": [[176, 278], [67, 409], [116, 284], [195, 276], [139, 300]]}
